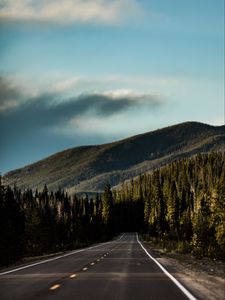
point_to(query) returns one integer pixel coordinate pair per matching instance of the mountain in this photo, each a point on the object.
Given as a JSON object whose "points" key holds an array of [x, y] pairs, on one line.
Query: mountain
{"points": [[89, 168]]}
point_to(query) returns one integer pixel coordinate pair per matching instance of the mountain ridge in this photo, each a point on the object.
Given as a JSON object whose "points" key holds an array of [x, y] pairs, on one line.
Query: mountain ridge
{"points": [[88, 168]]}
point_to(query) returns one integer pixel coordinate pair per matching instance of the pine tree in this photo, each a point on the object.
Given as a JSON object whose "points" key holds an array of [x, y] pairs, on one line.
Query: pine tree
{"points": [[107, 208]]}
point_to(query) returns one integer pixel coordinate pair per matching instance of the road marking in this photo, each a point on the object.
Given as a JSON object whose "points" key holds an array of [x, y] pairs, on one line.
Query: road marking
{"points": [[54, 287], [84, 269], [177, 283], [58, 257], [92, 264], [98, 259], [73, 275]]}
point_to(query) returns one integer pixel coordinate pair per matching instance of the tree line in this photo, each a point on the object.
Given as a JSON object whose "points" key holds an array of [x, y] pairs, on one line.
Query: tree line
{"points": [[182, 202], [34, 223]]}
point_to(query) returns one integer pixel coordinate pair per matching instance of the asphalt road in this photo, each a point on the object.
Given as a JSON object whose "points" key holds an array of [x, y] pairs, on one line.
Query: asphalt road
{"points": [[121, 269]]}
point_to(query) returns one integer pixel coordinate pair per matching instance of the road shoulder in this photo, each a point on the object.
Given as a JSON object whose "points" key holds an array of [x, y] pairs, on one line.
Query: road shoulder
{"points": [[202, 277]]}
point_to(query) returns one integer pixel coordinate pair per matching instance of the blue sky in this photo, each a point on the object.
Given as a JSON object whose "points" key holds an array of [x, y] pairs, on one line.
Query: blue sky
{"points": [[93, 71]]}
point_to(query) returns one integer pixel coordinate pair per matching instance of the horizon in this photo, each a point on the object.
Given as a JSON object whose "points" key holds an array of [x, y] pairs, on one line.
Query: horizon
{"points": [[78, 74]]}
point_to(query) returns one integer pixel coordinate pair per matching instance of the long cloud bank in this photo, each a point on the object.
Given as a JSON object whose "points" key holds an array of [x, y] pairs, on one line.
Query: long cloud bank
{"points": [[49, 109], [69, 11]]}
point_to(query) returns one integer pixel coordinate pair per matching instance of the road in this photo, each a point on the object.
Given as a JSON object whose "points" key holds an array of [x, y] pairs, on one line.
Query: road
{"points": [[121, 269]]}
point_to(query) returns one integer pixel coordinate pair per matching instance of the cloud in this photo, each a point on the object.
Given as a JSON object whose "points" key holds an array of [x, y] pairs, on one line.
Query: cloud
{"points": [[8, 95], [18, 89], [69, 11], [47, 109], [77, 84], [66, 85], [137, 97], [23, 115], [14, 91]]}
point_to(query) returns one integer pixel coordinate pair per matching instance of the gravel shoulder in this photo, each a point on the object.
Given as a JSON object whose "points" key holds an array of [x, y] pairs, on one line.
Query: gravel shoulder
{"points": [[205, 278]]}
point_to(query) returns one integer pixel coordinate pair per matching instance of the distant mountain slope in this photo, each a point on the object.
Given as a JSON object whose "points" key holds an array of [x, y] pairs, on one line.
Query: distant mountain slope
{"points": [[88, 168]]}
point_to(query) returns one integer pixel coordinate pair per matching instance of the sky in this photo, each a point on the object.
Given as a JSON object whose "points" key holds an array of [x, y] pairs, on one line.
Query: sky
{"points": [[81, 72]]}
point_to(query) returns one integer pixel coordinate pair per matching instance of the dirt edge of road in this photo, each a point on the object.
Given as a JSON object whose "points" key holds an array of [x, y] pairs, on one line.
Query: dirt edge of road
{"points": [[204, 277]]}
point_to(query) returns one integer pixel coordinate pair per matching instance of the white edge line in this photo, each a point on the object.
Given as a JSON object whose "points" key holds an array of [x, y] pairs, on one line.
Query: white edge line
{"points": [[57, 257], [177, 283]]}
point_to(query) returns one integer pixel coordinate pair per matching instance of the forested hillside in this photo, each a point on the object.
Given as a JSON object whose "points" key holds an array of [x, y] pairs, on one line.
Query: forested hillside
{"points": [[89, 168], [183, 202]]}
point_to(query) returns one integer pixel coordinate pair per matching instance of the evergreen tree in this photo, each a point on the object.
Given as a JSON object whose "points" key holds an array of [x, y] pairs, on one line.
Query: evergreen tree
{"points": [[107, 208]]}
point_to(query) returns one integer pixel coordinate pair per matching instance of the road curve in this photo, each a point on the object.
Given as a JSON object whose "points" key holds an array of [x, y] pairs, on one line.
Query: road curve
{"points": [[121, 269]]}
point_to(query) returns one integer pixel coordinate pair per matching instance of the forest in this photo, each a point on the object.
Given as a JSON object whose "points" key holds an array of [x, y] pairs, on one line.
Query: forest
{"points": [[182, 202]]}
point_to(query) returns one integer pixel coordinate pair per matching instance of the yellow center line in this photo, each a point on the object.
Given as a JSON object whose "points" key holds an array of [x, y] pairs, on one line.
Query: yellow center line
{"points": [[54, 287]]}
